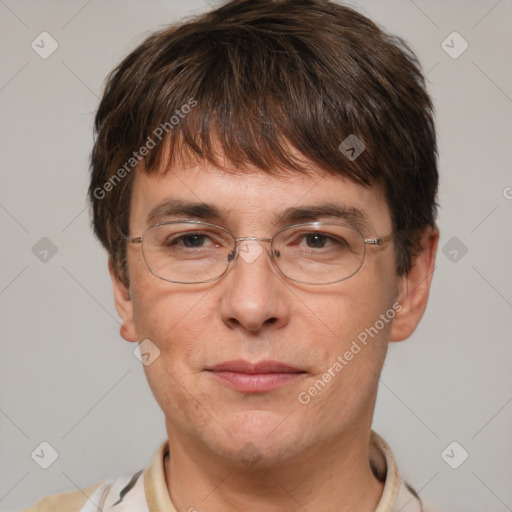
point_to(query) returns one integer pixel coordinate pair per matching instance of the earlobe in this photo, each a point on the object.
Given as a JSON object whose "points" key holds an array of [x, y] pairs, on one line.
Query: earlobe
{"points": [[415, 288], [124, 305]]}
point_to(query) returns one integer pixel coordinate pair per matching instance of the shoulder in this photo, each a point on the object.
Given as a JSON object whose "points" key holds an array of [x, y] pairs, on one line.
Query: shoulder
{"points": [[64, 502]]}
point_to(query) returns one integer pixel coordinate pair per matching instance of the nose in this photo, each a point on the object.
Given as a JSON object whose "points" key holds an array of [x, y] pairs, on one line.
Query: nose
{"points": [[254, 295]]}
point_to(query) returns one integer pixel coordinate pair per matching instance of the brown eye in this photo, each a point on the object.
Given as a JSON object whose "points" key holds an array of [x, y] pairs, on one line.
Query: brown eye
{"points": [[316, 240], [190, 241]]}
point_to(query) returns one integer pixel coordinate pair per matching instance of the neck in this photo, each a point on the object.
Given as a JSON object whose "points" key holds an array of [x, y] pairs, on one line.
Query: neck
{"points": [[336, 476]]}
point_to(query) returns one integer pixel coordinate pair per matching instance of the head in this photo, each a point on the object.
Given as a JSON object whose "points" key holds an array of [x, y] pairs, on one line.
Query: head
{"points": [[237, 116]]}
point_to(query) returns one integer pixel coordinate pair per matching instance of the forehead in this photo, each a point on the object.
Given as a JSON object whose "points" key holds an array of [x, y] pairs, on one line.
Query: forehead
{"points": [[254, 199]]}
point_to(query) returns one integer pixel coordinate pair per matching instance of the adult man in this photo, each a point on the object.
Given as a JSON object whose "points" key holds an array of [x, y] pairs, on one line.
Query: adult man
{"points": [[264, 180]]}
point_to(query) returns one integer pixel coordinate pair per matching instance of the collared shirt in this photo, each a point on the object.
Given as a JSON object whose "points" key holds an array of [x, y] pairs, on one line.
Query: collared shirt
{"points": [[146, 490]]}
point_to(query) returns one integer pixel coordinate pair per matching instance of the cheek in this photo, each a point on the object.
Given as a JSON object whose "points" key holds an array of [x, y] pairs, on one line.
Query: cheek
{"points": [[176, 318], [158, 306], [336, 317], [345, 386], [354, 321], [174, 321]]}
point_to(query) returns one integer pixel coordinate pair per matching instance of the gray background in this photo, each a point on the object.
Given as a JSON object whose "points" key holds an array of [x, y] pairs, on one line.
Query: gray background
{"points": [[67, 377]]}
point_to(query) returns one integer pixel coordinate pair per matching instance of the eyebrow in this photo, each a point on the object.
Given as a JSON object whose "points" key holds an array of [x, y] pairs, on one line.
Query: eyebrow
{"points": [[350, 215], [178, 208]]}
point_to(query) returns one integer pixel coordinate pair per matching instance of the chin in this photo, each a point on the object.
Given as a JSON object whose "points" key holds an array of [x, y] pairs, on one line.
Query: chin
{"points": [[256, 439]]}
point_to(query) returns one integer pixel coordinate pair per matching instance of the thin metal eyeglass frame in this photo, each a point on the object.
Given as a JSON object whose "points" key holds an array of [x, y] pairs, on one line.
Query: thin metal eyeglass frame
{"points": [[381, 240]]}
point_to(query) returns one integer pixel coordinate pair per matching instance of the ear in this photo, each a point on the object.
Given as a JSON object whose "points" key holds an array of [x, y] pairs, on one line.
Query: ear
{"points": [[124, 305], [415, 287]]}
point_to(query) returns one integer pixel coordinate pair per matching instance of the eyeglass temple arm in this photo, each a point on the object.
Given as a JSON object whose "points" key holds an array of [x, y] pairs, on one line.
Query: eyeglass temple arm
{"points": [[136, 240], [132, 240], [380, 240]]}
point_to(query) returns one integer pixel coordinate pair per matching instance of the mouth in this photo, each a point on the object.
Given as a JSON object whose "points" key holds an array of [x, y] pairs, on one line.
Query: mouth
{"points": [[259, 377]]}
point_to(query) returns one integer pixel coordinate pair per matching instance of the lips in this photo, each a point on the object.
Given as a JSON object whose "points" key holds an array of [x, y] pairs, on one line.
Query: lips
{"points": [[241, 366], [254, 377]]}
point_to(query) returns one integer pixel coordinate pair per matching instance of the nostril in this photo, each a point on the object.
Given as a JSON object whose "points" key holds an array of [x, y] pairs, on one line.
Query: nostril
{"points": [[272, 320]]}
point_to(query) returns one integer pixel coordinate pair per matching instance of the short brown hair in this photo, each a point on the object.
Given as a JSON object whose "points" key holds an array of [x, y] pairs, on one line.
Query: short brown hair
{"points": [[263, 81]]}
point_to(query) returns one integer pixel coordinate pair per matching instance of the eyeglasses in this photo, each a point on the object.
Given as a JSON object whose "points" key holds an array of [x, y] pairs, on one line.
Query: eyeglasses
{"points": [[190, 252]]}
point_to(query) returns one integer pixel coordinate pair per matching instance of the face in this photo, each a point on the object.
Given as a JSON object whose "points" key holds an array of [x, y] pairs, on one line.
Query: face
{"points": [[255, 315]]}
